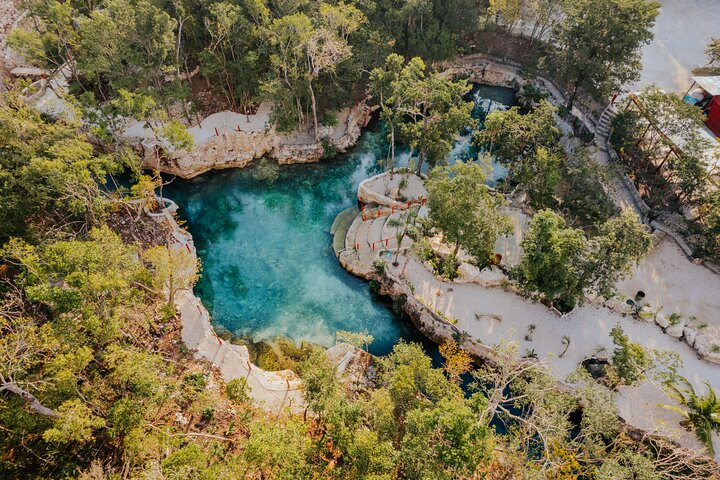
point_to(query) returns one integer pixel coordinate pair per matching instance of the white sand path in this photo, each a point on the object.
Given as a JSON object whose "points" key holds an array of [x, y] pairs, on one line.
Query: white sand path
{"points": [[588, 328]]}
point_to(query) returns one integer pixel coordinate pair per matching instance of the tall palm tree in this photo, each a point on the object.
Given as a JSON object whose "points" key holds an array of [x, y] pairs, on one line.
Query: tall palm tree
{"points": [[701, 411]]}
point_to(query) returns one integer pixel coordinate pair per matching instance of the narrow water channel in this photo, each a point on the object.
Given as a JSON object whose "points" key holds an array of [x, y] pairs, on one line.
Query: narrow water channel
{"points": [[265, 244]]}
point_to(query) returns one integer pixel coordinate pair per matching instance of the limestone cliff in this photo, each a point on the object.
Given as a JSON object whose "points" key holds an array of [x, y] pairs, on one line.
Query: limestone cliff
{"points": [[218, 146]]}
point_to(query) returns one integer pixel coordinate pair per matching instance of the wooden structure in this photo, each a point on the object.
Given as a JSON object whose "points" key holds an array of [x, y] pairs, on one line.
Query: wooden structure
{"points": [[662, 153]]}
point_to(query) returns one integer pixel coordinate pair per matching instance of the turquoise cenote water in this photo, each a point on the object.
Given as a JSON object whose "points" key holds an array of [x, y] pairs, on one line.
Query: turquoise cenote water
{"points": [[266, 249]]}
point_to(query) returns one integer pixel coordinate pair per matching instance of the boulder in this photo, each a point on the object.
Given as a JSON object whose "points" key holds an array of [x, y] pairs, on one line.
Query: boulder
{"points": [[690, 213], [491, 277], [689, 334], [468, 272], [647, 314], [662, 321], [704, 344], [675, 331], [713, 357], [612, 303]]}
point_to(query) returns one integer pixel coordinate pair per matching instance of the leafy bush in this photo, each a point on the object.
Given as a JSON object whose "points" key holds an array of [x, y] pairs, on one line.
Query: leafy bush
{"points": [[237, 390], [330, 119], [449, 267], [379, 266], [624, 128], [584, 193], [424, 250], [194, 381]]}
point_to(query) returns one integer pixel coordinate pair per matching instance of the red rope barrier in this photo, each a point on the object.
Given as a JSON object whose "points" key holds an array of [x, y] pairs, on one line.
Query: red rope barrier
{"points": [[380, 212]]}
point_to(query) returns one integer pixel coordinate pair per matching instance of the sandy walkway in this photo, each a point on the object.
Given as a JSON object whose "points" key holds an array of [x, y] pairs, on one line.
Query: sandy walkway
{"points": [[588, 328]]}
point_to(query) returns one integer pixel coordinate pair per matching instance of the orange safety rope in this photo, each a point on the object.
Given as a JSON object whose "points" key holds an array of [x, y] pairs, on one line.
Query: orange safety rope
{"points": [[380, 212]]}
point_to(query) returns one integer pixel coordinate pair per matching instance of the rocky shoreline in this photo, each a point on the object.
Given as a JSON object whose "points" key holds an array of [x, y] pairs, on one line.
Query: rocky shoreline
{"points": [[220, 145]]}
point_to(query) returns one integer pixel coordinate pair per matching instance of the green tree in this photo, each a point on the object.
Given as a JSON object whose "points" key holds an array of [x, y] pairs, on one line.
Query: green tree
{"points": [[445, 442], [516, 140], [541, 176], [278, 450], [552, 261], [583, 192], [91, 280], [76, 423], [48, 170], [630, 360], [433, 110], [304, 48], [54, 43], [462, 207], [621, 242], [407, 225], [232, 52], [381, 87], [175, 269], [710, 213], [237, 390], [141, 37], [599, 43]]}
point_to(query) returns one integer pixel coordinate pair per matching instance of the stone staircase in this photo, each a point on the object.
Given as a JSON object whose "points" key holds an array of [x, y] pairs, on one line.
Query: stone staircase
{"points": [[374, 235], [340, 227], [604, 124]]}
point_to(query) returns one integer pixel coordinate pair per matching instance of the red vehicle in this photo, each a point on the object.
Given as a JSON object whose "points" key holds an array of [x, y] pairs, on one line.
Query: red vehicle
{"points": [[707, 97]]}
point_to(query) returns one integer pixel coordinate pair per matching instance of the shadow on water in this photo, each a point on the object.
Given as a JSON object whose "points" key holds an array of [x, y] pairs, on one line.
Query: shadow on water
{"points": [[268, 264]]}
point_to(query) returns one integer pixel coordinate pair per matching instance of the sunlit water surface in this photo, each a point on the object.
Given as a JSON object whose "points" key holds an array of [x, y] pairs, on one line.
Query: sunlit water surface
{"points": [[268, 264]]}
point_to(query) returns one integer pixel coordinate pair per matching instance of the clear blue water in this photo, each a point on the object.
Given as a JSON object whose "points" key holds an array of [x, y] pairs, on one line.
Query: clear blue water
{"points": [[268, 264]]}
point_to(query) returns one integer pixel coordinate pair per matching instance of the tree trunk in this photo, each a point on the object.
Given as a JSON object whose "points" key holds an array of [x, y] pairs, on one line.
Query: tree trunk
{"points": [[397, 253], [314, 110], [392, 150], [457, 249], [576, 86], [30, 399], [421, 157], [171, 288]]}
